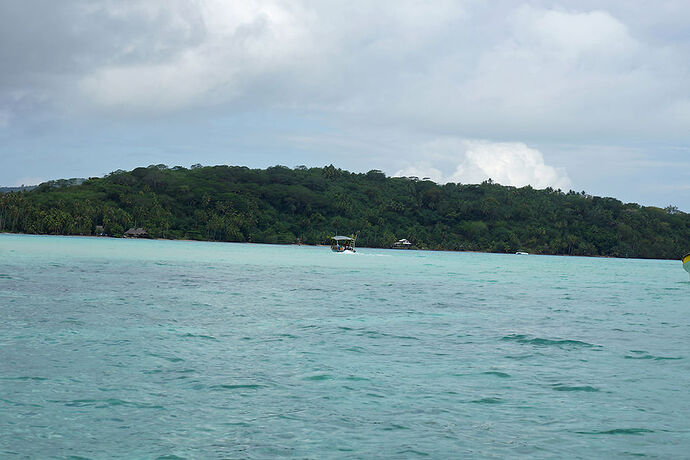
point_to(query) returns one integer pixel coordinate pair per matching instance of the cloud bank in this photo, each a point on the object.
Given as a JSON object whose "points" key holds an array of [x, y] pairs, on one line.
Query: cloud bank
{"points": [[89, 87], [507, 163], [492, 71]]}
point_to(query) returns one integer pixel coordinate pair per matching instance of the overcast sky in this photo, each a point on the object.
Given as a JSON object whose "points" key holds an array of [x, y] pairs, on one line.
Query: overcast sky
{"points": [[583, 95]]}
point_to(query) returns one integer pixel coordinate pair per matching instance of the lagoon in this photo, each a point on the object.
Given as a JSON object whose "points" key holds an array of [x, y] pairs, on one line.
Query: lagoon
{"points": [[113, 348]]}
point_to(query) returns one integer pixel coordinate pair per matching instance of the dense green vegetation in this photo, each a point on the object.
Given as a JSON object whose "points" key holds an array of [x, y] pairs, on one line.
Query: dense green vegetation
{"points": [[283, 205]]}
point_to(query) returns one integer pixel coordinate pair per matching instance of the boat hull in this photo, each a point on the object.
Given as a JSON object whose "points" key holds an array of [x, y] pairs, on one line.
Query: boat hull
{"points": [[341, 249], [686, 263]]}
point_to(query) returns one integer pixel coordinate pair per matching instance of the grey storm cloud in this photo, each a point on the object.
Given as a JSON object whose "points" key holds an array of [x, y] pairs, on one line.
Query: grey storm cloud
{"points": [[490, 80], [484, 71]]}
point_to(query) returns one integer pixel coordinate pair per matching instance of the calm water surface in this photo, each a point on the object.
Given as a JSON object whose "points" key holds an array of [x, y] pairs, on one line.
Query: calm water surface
{"points": [[168, 349]]}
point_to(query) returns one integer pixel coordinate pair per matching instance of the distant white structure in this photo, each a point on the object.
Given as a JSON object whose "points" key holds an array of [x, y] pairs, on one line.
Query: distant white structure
{"points": [[402, 244]]}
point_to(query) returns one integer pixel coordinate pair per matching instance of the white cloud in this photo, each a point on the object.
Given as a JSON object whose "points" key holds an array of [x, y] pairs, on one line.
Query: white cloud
{"points": [[422, 170], [243, 44], [557, 70], [507, 163]]}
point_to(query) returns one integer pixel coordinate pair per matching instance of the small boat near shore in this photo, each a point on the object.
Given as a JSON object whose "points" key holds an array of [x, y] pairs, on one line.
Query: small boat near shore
{"points": [[686, 262], [343, 243], [403, 244], [522, 253]]}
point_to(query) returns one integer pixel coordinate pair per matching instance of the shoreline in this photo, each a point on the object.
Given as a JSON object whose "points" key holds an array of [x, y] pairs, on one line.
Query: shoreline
{"points": [[325, 245]]}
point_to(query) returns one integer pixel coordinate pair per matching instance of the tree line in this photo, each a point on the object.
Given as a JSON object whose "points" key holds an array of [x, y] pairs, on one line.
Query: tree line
{"points": [[309, 205]]}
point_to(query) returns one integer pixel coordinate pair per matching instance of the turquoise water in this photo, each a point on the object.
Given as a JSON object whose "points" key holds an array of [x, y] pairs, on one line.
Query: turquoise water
{"points": [[169, 349]]}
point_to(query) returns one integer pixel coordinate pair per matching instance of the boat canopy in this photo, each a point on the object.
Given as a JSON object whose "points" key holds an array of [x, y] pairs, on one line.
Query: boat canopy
{"points": [[342, 238]]}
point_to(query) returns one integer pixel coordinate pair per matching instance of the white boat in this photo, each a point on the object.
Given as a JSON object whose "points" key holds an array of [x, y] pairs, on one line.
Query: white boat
{"points": [[521, 253], [402, 244], [343, 243]]}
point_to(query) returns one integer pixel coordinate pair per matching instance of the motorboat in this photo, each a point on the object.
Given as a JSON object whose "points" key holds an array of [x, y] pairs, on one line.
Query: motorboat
{"points": [[343, 243]]}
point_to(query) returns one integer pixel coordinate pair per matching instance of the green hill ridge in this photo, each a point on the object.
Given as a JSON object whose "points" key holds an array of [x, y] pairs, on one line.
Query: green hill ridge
{"points": [[283, 205]]}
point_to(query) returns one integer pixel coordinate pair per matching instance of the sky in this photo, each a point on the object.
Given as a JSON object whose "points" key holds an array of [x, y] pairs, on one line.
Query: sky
{"points": [[583, 95]]}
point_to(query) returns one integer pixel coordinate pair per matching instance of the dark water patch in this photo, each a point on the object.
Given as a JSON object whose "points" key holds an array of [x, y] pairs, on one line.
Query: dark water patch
{"points": [[172, 359], [395, 427], [237, 386], [372, 334], [171, 457], [640, 354], [152, 371], [408, 452], [487, 401], [106, 403], [5, 276], [633, 431], [189, 335], [405, 337], [288, 336], [502, 375], [356, 378], [241, 424], [519, 357], [585, 388], [356, 349], [18, 404], [318, 377], [25, 378], [539, 341]]}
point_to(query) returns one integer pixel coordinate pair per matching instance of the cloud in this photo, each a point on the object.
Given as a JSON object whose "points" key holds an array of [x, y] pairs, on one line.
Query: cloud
{"points": [[507, 163], [495, 71], [243, 45], [352, 82], [422, 170]]}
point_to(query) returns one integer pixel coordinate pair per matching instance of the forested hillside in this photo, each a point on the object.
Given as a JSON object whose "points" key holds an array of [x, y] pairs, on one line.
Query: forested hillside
{"points": [[283, 205]]}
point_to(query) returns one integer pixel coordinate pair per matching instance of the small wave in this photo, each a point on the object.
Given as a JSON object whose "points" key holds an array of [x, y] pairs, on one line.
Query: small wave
{"points": [[639, 354], [18, 404], [288, 336], [238, 386], [318, 377], [538, 341], [5, 276], [487, 401], [586, 388], [395, 426], [408, 452], [356, 349], [519, 357], [619, 431], [497, 374], [24, 378], [172, 359], [110, 402]]}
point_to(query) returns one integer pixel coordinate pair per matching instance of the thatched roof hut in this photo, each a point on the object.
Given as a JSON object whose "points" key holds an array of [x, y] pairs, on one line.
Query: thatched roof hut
{"points": [[136, 233]]}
